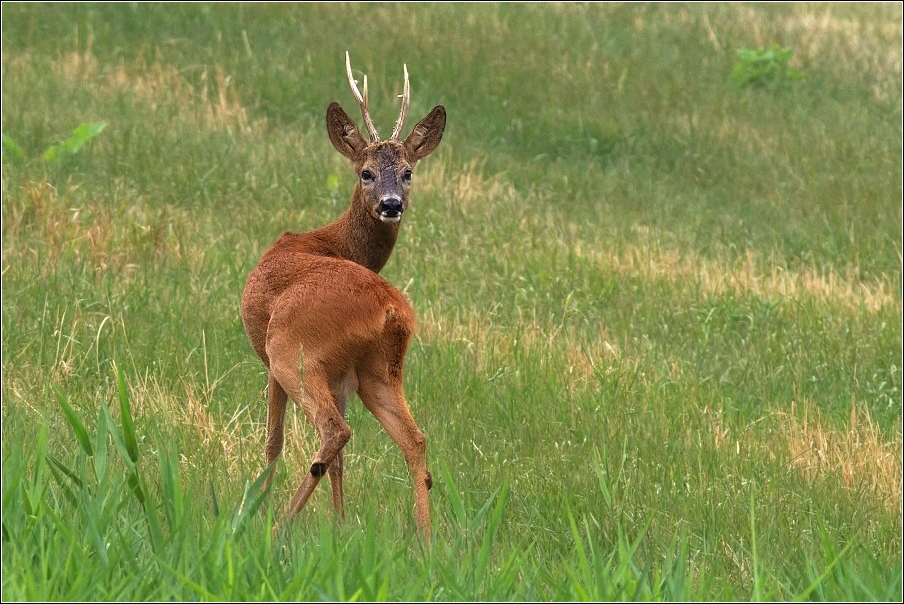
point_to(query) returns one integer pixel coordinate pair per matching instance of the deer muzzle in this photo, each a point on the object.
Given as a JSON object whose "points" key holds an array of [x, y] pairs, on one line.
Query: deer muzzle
{"points": [[390, 209]]}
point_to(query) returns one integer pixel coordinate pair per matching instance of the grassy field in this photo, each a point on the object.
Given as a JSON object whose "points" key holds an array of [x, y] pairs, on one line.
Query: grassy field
{"points": [[660, 339]]}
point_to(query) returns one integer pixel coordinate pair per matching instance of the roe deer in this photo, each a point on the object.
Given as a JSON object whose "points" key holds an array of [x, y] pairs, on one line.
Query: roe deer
{"points": [[324, 322]]}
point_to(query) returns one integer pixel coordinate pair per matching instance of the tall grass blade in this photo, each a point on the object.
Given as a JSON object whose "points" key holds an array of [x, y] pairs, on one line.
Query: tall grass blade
{"points": [[65, 470], [196, 587], [12, 482], [675, 571], [56, 467], [805, 595], [757, 585], [100, 443], [33, 491], [126, 441], [81, 434], [251, 499], [173, 504], [582, 581], [116, 434], [215, 506], [489, 537], [150, 514], [454, 497], [129, 438]]}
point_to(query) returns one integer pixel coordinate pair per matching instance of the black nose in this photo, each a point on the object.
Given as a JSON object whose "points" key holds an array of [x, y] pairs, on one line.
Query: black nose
{"points": [[390, 207]]}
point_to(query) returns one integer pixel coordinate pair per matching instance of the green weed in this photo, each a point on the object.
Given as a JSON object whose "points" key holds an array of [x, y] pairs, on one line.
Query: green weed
{"points": [[765, 67], [70, 146]]}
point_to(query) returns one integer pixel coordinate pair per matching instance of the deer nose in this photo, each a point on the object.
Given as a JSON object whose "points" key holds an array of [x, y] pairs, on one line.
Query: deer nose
{"points": [[390, 209]]}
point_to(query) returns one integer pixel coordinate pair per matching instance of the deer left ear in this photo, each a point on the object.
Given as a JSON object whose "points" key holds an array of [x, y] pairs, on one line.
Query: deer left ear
{"points": [[344, 133], [425, 137]]}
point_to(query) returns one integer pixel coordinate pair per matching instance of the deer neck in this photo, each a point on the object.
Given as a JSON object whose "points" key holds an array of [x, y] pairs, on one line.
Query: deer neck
{"points": [[364, 239]]}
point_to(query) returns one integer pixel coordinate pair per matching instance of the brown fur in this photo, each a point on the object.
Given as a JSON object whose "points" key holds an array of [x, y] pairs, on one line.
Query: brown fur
{"points": [[326, 325]]}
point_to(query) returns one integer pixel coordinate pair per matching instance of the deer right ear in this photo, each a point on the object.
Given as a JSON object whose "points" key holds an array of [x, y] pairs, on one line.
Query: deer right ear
{"points": [[344, 133]]}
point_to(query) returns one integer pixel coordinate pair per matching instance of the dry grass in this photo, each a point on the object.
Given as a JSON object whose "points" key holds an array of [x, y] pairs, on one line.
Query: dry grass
{"points": [[103, 233], [859, 40], [873, 46], [469, 189], [184, 408], [859, 458], [210, 103], [746, 276], [466, 187]]}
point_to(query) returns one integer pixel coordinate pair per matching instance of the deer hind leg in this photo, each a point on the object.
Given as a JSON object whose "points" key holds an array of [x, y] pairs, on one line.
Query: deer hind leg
{"points": [[385, 399], [335, 470], [335, 473], [315, 398], [334, 434]]}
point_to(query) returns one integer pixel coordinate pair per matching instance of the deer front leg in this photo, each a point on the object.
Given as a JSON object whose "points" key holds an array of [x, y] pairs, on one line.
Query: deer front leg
{"points": [[387, 403], [276, 413]]}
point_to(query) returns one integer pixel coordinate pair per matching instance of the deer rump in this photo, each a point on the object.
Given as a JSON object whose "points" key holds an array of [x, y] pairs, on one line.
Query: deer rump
{"points": [[336, 314]]}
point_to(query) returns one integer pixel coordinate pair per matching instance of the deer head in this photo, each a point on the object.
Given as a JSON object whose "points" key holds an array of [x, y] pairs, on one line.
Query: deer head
{"points": [[384, 168]]}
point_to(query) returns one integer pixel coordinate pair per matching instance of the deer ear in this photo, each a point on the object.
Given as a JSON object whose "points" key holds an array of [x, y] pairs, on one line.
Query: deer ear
{"points": [[344, 133], [425, 137]]}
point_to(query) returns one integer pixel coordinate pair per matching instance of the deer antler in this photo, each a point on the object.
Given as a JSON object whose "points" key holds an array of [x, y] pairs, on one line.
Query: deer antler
{"points": [[406, 101], [362, 100]]}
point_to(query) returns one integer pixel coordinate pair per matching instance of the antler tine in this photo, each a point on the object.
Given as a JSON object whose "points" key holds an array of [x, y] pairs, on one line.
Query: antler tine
{"points": [[362, 100], [406, 102]]}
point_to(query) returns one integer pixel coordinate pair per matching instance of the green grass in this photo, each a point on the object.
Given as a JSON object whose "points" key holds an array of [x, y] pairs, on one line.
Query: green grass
{"points": [[659, 346]]}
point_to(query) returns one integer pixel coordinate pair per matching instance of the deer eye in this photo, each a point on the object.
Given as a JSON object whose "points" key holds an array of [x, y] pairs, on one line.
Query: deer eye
{"points": [[367, 176], [406, 176]]}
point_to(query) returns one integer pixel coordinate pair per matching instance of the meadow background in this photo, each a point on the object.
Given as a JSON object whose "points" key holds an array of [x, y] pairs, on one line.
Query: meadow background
{"points": [[660, 338]]}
